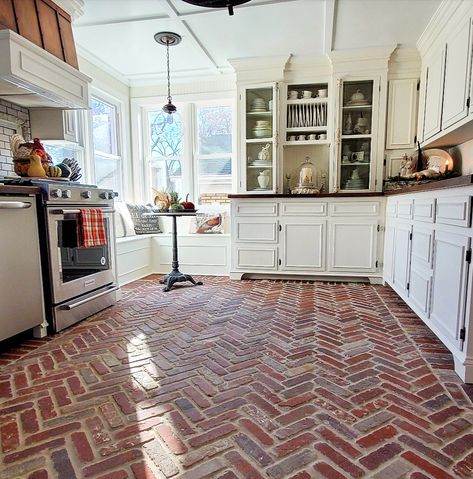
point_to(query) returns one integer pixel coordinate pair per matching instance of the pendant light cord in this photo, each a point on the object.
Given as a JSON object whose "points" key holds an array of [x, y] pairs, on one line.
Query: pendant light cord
{"points": [[169, 74]]}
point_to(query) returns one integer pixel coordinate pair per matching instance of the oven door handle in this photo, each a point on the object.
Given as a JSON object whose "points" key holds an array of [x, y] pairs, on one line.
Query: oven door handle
{"points": [[70, 306], [14, 205], [65, 212]]}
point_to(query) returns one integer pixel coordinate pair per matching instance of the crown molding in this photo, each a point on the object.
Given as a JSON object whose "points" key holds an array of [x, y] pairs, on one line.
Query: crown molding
{"points": [[434, 29], [361, 59], [404, 63], [75, 8], [260, 68]]}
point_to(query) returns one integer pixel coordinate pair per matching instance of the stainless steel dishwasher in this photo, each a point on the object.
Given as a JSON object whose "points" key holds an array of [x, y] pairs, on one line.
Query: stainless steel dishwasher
{"points": [[21, 288]]}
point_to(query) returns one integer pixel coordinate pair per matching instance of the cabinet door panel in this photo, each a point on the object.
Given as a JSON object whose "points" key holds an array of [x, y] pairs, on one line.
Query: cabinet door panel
{"points": [[402, 254], [424, 210], [422, 246], [256, 230], [457, 75], [255, 258], [353, 245], [447, 312], [402, 113], [303, 245], [454, 210], [434, 95], [388, 261], [419, 289]]}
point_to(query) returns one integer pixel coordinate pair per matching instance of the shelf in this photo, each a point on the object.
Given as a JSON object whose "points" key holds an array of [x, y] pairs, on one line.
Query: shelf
{"points": [[262, 166], [360, 107], [259, 113], [307, 128], [259, 140], [307, 101], [306, 142], [359, 163], [355, 137]]}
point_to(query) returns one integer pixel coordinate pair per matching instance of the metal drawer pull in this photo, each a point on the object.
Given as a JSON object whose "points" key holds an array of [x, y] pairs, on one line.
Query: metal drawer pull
{"points": [[76, 212], [70, 306], [14, 205]]}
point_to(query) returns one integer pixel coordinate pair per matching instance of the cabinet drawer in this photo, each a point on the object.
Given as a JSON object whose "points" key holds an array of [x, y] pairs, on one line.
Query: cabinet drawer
{"points": [[295, 208], [254, 258], [354, 208], [404, 209], [257, 230], [424, 210], [454, 210], [422, 246], [256, 208]]}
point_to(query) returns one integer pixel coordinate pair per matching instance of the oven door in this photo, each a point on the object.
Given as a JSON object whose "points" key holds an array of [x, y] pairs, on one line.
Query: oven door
{"points": [[77, 270]]}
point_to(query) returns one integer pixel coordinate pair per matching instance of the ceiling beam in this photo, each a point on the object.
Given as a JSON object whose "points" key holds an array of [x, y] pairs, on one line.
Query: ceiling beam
{"points": [[329, 13]]}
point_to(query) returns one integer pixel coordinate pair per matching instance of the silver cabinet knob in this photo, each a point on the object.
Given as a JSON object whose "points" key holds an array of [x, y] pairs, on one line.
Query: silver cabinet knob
{"points": [[86, 194], [67, 194]]}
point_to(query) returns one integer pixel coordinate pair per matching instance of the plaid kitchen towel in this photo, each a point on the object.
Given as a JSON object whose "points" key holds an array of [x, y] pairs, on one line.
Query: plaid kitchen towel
{"points": [[91, 228]]}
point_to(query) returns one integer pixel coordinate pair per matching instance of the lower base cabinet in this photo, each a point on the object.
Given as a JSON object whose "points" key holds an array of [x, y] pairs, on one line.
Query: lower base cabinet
{"points": [[428, 264], [335, 237]]}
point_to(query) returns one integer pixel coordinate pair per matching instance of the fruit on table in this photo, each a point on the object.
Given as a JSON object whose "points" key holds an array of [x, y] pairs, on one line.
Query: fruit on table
{"points": [[188, 205], [176, 207]]}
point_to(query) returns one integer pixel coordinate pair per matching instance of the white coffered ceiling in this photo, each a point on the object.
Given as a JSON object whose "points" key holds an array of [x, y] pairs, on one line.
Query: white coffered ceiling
{"points": [[118, 34]]}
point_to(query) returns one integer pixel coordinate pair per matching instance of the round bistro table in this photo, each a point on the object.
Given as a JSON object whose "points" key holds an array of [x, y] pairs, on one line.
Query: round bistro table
{"points": [[175, 276]]}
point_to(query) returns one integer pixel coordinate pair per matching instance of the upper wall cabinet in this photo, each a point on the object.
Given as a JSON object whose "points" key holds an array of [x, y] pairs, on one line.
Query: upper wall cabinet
{"points": [[402, 113], [433, 80], [457, 75]]}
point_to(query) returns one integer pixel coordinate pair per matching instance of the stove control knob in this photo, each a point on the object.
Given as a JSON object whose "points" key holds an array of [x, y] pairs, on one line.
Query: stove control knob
{"points": [[103, 195], [67, 194], [111, 196], [57, 193], [86, 194]]}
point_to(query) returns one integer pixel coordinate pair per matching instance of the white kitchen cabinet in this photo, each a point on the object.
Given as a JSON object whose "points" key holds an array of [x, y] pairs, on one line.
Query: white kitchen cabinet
{"points": [[457, 75], [258, 131], [433, 96], [448, 302], [388, 261], [402, 251], [311, 236], [402, 113], [435, 264], [352, 245], [393, 163], [303, 244]]}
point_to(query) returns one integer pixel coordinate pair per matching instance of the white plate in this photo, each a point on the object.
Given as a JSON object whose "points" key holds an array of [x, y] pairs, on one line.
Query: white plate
{"points": [[358, 103], [437, 158]]}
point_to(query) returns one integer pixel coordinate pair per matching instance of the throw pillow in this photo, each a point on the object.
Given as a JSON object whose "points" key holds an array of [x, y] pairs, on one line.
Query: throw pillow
{"points": [[207, 223], [144, 222]]}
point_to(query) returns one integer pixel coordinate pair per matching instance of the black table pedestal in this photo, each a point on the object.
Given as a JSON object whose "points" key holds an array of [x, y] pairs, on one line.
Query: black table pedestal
{"points": [[175, 276]]}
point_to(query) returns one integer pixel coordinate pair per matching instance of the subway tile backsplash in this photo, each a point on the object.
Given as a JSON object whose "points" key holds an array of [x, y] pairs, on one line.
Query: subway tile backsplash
{"points": [[12, 114]]}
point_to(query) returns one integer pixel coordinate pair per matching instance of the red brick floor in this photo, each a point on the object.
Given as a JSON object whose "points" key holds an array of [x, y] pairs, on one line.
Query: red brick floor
{"points": [[251, 379]]}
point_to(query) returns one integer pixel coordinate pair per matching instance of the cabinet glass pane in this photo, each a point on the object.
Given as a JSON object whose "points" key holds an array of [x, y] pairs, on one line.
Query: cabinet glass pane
{"points": [[356, 138], [259, 166], [259, 113]]}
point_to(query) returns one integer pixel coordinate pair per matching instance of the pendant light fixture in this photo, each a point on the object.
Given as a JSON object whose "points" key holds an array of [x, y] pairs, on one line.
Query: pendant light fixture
{"points": [[217, 3], [168, 39]]}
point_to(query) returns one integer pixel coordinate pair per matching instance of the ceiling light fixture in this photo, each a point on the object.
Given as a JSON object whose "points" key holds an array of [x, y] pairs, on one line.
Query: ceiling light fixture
{"points": [[217, 3], [169, 39]]}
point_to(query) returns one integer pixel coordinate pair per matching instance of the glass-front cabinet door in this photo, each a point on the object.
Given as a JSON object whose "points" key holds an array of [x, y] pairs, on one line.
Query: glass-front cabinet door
{"points": [[259, 137], [356, 135]]}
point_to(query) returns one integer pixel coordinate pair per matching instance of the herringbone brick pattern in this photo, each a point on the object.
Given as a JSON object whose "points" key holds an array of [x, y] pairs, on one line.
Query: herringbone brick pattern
{"points": [[249, 380]]}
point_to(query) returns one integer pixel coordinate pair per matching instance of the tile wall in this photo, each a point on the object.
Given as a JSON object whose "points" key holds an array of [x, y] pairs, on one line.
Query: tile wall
{"points": [[13, 114]]}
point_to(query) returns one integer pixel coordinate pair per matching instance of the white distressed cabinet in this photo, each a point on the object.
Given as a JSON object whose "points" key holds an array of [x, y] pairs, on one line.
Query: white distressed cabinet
{"points": [[402, 113], [308, 236], [427, 256], [457, 75]]}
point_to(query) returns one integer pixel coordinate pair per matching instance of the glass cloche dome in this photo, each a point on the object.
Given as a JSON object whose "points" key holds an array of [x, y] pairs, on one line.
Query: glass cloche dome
{"points": [[307, 178]]}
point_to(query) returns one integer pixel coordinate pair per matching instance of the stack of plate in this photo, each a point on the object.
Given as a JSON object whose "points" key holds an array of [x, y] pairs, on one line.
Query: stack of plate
{"points": [[262, 129], [258, 105], [355, 184], [260, 163]]}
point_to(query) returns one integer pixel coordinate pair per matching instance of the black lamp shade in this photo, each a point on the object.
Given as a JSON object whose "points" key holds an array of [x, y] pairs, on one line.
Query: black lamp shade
{"points": [[217, 3]]}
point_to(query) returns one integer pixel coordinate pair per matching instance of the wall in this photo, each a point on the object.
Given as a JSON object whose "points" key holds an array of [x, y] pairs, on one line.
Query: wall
{"points": [[14, 114], [463, 157]]}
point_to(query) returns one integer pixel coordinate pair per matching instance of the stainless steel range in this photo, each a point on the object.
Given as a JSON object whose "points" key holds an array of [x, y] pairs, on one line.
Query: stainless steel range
{"points": [[79, 281]]}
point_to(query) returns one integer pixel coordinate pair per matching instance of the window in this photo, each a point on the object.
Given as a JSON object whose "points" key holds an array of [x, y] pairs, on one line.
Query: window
{"points": [[192, 153], [107, 159], [166, 151], [214, 153]]}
